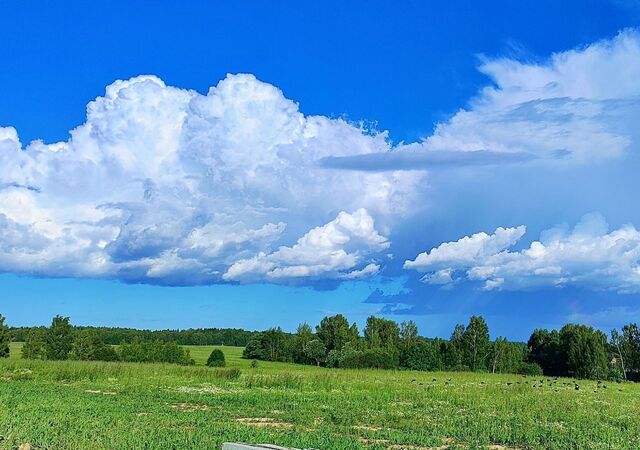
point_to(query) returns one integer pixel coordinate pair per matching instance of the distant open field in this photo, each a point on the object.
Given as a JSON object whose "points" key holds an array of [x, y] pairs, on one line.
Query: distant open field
{"points": [[97, 405]]}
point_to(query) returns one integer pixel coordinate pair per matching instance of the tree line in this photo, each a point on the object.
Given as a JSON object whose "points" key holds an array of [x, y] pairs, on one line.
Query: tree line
{"points": [[575, 350], [61, 341], [117, 336]]}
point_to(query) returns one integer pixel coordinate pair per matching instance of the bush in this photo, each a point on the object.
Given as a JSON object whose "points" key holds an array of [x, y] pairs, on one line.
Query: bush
{"points": [[106, 353], [530, 369], [216, 359], [89, 347], [156, 351], [253, 349], [372, 358], [333, 358], [420, 355], [33, 347]]}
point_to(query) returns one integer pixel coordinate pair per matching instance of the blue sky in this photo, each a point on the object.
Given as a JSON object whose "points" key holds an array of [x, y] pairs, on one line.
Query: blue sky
{"points": [[192, 198]]}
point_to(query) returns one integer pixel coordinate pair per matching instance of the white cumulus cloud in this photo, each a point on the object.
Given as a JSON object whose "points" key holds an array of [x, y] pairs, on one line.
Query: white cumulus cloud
{"points": [[587, 256], [166, 185], [331, 251]]}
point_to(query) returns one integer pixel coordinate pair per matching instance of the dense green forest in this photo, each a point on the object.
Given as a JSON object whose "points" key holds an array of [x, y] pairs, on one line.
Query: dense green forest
{"points": [[575, 350], [192, 336]]}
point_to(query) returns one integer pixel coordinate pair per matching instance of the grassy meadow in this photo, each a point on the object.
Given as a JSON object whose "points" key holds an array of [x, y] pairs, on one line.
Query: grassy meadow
{"points": [[98, 405]]}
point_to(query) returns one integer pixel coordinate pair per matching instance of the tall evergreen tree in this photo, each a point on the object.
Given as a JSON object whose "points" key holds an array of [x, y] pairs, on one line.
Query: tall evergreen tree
{"points": [[58, 339]]}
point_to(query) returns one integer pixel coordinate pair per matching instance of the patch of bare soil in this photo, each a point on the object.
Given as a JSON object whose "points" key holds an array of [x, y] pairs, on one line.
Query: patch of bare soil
{"points": [[190, 407], [366, 427], [264, 422], [92, 391]]}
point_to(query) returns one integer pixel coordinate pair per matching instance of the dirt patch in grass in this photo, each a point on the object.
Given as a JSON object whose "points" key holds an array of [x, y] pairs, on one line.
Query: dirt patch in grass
{"points": [[366, 428], [94, 391], [190, 407], [366, 441], [264, 422], [27, 446]]}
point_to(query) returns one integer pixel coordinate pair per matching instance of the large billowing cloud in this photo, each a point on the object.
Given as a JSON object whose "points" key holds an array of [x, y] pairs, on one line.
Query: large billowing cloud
{"points": [[165, 185], [588, 256], [169, 186]]}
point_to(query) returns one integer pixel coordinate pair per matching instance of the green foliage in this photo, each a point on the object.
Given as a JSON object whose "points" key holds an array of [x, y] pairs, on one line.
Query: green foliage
{"points": [[507, 357], [372, 358], [627, 350], [254, 349], [88, 346], [452, 350], [545, 350], [532, 369], [193, 336], [58, 339], [421, 354], [4, 338], [155, 351], [315, 350], [216, 359], [273, 343], [302, 336], [335, 332], [586, 351], [33, 347], [382, 333], [475, 344], [576, 350]]}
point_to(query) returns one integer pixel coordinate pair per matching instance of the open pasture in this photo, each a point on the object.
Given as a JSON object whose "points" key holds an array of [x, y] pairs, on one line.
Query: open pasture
{"points": [[71, 405]]}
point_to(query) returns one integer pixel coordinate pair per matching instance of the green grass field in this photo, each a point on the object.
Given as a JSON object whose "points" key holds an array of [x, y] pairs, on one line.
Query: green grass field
{"points": [[73, 405]]}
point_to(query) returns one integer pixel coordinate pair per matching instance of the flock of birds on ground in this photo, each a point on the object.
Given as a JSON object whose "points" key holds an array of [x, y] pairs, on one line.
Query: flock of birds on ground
{"points": [[554, 383]]}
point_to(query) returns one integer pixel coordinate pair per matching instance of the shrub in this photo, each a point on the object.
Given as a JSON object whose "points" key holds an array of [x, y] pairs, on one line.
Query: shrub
{"points": [[372, 358], [106, 353], [155, 351], [420, 355], [315, 351], [253, 349], [33, 347], [89, 347], [530, 369], [216, 359], [333, 358]]}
